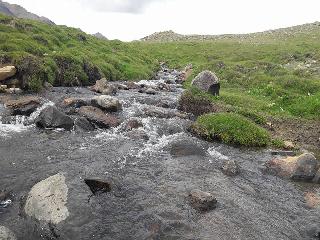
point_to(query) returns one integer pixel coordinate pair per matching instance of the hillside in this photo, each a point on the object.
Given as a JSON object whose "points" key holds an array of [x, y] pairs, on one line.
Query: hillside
{"points": [[15, 10], [279, 34], [66, 56]]}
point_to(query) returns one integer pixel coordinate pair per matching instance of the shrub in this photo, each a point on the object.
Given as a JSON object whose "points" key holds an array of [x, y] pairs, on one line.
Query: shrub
{"points": [[232, 129]]}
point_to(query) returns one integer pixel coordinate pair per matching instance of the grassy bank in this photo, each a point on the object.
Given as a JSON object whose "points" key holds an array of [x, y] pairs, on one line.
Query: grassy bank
{"points": [[67, 56]]}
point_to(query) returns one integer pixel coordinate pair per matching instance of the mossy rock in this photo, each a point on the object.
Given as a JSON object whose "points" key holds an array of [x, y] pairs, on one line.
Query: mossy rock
{"points": [[231, 129]]}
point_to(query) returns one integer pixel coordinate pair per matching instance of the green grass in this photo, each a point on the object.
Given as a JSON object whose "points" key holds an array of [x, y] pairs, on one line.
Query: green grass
{"points": [[232, 129], [66, 56]]}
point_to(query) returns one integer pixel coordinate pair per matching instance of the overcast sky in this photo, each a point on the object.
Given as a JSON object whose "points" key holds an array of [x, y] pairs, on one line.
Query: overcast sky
{"points": [[133, 19]]}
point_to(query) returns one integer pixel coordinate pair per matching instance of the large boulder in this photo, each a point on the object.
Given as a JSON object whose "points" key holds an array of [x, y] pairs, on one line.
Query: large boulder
{"points": [[6, 234], [6, 72], [102, 86], [207, 81], [98, 117], [24, 105], [51, 117], [303, 167], [202, 201], [107, 103], [47, 200]]}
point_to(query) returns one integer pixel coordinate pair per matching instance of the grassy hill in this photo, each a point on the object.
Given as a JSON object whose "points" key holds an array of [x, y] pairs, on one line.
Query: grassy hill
{"points": [[274, 73], [66, 56]]}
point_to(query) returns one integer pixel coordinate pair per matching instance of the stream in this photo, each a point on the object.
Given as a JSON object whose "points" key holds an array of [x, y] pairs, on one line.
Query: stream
{"points": [[151, 170]]}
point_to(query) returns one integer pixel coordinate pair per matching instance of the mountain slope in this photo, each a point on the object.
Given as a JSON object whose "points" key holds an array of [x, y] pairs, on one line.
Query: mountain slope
{"points": [[15, 10], [279, 34]]}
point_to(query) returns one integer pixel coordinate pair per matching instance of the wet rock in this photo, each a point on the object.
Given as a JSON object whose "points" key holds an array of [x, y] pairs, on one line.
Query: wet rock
{"points": [[3, 88], [14, 91], [98, 117], [138, 134], [132, 85], [81, 124], [98, 186], [151, 91], [5, 199], [6, 234], [76, 102], [303, 167], [312, 199], [6, 72], [102, 86], [207, 81], [159, 113], [12, 82], [230, 168], [133, 124], [47, 200], [51, 117], [107, 103], [202, 201], [24, 105]]}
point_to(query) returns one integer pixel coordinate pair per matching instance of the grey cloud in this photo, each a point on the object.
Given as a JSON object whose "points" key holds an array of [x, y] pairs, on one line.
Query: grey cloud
{"points": [[128, 6]]}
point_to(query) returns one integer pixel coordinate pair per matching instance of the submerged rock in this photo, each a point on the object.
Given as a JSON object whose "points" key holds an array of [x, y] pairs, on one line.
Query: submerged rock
{"points": [[133, 124], [207, 81], [98, 186], [107, 103], [303, 167], [47, 200], [6, 234], [98, 117], [24, 105], [230, 168], [151, 91], [51, 117], [202, 201], [6, 72]]}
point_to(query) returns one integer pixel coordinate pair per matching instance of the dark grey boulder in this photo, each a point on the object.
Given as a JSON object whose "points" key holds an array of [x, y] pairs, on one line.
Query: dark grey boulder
{"points": [[81, 124], [51, 117], [207, 81]]}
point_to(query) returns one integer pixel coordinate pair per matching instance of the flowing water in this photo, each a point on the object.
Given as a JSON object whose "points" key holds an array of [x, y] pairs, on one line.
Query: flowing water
{"points": [[151, 170]]}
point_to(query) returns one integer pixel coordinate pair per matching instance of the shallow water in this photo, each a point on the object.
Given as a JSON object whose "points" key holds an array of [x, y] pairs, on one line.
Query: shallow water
{"points": [[150, 178]]}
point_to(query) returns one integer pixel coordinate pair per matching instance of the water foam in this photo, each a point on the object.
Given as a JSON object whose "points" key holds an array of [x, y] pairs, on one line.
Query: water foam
{"points": [[214, 153]]}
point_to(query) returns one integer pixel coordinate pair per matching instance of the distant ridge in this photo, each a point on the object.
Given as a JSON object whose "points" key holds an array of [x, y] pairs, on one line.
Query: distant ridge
{"points": [[171, 36], [100, 36], [15, 10]]}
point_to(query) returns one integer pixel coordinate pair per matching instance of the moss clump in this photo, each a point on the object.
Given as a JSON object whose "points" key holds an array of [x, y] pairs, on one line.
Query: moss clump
{"points": [[254, 116], [232, 129]]}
